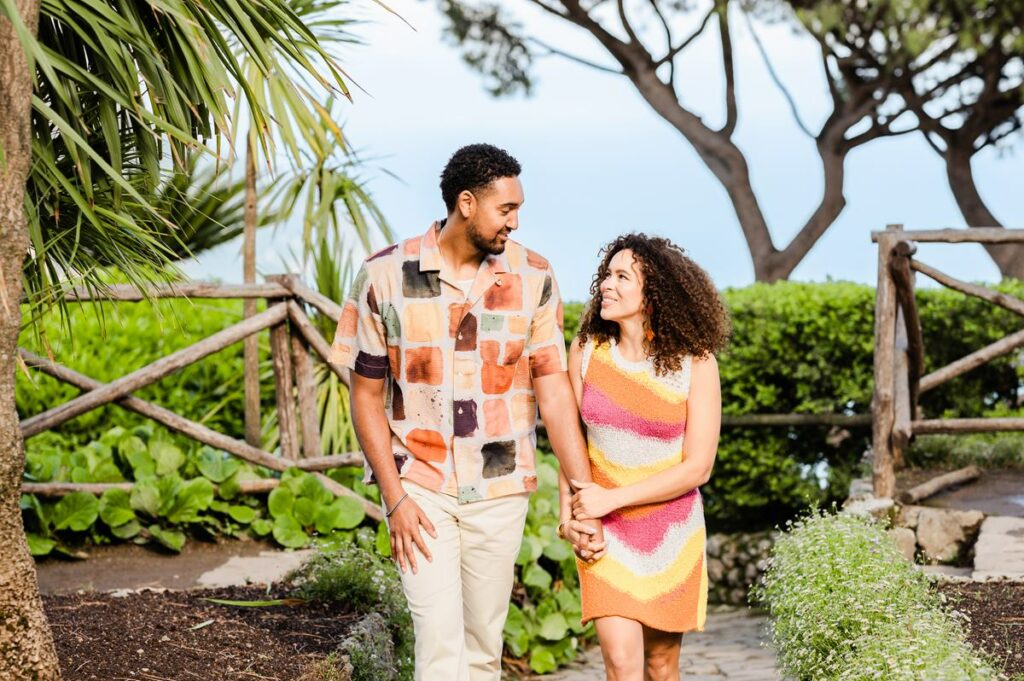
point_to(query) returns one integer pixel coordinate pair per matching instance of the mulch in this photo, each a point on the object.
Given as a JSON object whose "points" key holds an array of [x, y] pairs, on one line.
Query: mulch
{"points": [[176, 635], [995, 612]]}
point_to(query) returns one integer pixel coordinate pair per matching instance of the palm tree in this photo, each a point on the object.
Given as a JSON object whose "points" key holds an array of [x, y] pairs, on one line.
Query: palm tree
{"points": [[101, 101]]}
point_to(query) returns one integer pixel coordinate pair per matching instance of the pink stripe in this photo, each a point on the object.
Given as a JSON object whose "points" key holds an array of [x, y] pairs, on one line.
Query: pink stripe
{"points": [[646, 534], [600, 410]]}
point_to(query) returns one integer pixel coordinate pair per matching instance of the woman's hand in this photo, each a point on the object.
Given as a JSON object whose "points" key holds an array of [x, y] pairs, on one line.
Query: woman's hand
{"points": [[593, 501], [587, 540]]}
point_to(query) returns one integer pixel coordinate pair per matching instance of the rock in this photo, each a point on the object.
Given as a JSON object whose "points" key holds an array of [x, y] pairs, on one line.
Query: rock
{"points": [[369, 648], [905, 540], [908, 515], [942, 533], [877, 508], [732, 577], [861, 488], [715, 569], [713, 547]]}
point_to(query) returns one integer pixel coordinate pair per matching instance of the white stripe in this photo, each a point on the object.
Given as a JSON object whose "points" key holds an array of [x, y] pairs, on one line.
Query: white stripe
{"points": [[647, 564], [629, 450]]}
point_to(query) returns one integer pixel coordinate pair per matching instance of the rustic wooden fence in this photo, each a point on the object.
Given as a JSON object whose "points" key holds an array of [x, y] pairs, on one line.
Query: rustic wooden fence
{"points": [[294, 340], [899, 346]]}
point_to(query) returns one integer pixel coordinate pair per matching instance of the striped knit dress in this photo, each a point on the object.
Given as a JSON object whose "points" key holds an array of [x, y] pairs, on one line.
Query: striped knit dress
{"points": [[654, 571]]}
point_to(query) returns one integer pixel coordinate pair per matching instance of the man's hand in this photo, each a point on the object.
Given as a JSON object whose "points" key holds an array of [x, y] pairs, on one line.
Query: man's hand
{"points": [[404, 525], [587, 539]]}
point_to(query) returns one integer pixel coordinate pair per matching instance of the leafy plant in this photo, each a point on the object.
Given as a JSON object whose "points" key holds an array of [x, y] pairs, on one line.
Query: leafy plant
{"points": [[845, 604]]}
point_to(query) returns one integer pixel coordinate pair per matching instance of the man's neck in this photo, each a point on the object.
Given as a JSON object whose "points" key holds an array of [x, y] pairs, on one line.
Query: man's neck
{"points": [[456, 248]]}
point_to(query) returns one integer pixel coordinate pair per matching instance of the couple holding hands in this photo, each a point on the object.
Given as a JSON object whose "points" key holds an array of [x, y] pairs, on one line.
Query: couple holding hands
{"points": [[455, 340]]}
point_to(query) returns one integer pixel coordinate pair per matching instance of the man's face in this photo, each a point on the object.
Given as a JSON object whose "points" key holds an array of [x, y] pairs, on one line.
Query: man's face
{"points": [[495, 215]]}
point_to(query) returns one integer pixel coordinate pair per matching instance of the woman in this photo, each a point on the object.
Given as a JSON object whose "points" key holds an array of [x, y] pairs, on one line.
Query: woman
{"points": [[644, 372]]}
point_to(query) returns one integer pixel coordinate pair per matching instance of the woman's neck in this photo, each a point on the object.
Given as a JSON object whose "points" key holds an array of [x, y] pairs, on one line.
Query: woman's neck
{"points": [[631, 339]]}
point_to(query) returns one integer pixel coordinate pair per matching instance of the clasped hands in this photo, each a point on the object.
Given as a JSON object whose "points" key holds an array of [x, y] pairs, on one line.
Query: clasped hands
{"points": [[589, 504]]}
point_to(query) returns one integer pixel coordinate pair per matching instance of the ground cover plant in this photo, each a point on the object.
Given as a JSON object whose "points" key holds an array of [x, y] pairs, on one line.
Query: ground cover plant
{"points": [[845, 604]]}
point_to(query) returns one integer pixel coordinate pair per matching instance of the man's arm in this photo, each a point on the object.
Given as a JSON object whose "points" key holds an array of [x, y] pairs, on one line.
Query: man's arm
{"points": [[557, 405], [374, 433]]}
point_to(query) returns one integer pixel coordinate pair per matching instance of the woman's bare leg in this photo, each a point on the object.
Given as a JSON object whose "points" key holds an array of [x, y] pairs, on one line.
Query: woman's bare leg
{"points": [[661, 655], [622, 646]]}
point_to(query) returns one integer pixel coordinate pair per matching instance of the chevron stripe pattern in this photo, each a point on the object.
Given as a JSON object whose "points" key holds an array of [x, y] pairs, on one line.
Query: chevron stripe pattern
{"points": [[655, 570]]}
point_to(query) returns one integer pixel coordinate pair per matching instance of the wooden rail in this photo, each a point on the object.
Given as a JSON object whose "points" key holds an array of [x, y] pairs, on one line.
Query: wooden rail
{"points": [[899, 346], [294, 341]]}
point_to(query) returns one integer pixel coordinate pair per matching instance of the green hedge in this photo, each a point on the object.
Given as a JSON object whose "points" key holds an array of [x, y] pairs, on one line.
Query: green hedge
{"points": [[844, 604], [807, 348]]}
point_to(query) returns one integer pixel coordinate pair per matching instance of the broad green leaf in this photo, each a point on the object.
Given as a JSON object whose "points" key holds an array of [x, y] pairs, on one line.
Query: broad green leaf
{"points": [[558, 550], [350, 513], [172, 539], [242, 514], [262, 526], [39, 546], [145, 497], [542, 660], [313, 489], [289, 533], [193, 497], [383, 540], [530, 550], [326, 518], [126, 531], [76, 511], [135, 452], [516, 620], [168, 457], [216, 465], [280, 502], [535, 575], [116, 507], [554, 627], [304, 510]]}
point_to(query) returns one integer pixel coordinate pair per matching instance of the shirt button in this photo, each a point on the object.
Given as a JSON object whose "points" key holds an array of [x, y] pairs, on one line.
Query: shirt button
{"points": [[460, 336]]}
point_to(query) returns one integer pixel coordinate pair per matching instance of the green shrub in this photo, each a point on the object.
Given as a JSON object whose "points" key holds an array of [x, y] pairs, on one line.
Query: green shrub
{"points": [[365, 583], [844, 604]]}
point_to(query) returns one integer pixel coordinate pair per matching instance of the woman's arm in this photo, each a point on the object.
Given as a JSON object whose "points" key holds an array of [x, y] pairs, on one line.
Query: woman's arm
{"points": [[703, 422]]}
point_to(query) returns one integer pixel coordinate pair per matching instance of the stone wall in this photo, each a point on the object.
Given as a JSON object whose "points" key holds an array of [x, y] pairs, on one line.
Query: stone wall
{"points": [[735, 562]]}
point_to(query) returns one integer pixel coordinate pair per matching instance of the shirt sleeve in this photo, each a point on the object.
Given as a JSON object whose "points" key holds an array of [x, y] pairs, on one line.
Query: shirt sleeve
{"points": [[359, 342], [547, 344]]}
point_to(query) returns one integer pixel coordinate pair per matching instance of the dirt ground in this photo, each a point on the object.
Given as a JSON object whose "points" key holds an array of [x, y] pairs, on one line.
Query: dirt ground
{"points": [[996, 618], [176, 635]]}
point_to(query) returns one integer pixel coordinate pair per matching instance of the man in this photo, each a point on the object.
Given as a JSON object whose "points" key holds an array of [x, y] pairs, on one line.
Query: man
{"points": [[455, 339]]}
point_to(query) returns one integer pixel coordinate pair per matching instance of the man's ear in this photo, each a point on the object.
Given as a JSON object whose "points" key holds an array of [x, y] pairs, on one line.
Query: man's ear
{"points": [[466, 204]]}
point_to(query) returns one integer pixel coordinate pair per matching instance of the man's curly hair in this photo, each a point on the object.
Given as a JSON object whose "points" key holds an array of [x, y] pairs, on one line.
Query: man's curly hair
{"points": [[687, 316], [472, 168]]}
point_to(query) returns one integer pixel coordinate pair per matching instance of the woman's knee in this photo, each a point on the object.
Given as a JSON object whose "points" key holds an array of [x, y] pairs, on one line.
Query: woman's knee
{"points": [[662, 665], [623, 663]]}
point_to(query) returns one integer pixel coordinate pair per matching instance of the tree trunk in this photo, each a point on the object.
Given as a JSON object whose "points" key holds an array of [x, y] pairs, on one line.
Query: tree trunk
{"points": [[1009, 258], [26, 645], [251, 356]]}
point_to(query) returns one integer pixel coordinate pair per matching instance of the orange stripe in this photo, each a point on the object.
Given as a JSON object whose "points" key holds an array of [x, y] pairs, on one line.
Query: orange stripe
{"points": [[682, 609], [655, 408]]}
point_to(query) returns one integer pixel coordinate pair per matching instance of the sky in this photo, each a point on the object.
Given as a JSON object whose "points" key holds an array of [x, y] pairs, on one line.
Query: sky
{"points": [[598, 162]]}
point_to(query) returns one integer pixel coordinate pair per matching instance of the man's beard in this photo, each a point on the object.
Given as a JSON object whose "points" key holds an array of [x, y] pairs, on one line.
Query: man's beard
{"points": [[491, 247]]}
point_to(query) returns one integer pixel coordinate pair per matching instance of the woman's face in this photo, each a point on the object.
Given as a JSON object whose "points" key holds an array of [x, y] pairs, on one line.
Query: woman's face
{"points": [[622, 290]]}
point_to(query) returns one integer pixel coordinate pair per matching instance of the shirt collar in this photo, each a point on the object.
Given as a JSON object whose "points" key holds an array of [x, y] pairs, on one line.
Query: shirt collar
{"points": [[431, 260]]}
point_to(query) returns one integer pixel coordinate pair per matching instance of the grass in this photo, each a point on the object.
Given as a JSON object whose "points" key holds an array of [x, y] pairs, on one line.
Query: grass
{"points": [[986, 450], [845, 605]]}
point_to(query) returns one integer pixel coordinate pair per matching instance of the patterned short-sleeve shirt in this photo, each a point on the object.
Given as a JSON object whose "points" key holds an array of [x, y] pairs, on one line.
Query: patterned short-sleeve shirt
{"points": [[459, 369]]}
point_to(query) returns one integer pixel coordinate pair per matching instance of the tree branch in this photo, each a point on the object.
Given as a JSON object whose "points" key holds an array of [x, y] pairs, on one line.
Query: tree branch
{"points": [[673, 51], [776, 79], [626, 26], [731, 112], [572, 57], [668, 39]]}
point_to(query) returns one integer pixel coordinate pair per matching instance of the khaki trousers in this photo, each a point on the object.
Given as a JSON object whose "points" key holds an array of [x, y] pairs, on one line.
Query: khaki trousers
{"points": [[459, 600]]}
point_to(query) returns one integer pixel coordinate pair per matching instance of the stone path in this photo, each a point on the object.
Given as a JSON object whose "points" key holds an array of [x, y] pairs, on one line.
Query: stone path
{"points": [[729, 649], [999, 552]]}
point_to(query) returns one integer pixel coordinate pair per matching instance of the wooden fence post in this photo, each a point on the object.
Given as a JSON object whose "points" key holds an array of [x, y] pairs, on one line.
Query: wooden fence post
{"points": [[883, 477]]}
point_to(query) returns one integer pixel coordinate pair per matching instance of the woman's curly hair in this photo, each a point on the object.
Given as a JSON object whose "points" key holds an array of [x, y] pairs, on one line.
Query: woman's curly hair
{"points": [[687, 316]]}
